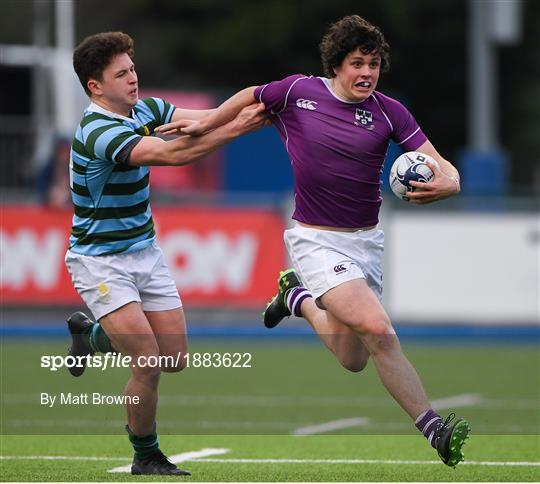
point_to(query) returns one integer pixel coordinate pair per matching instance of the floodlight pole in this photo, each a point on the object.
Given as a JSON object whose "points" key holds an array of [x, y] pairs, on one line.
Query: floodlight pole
{"points": [[482, 79], [484, 165], [65, 80], [40, 106]]}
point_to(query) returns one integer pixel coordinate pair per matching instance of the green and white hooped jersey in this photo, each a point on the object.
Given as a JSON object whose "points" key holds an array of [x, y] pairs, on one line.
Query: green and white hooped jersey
{"points": [[111, 199]]}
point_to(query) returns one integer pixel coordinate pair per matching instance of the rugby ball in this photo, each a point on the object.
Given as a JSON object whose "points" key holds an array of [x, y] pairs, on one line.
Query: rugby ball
{"points": [[410, 166]]}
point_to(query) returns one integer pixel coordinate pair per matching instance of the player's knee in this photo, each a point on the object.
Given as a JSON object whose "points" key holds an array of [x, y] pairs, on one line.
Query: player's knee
{"points": [[175, 360], [146, 371], [173, 365], [173, 369], [379, 325], [354, 365], [353, 359]]}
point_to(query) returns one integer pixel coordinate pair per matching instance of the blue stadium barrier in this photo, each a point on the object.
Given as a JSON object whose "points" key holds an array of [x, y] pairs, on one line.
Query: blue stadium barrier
{"points": [[448, 333]]}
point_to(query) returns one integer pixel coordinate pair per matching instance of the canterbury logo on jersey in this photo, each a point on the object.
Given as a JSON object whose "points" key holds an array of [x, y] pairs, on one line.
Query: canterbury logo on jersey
{"points": [[306, 104], [339, 268]]}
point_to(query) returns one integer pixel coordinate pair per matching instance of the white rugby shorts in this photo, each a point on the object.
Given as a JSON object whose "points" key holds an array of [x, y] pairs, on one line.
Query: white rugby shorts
{"points": [[108, 282], [324, 259]]}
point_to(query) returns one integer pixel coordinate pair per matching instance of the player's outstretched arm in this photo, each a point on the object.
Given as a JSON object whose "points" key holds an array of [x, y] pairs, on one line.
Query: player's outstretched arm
{"points": [[445, 183], [151, 150], [191, 114], [225, 113]]}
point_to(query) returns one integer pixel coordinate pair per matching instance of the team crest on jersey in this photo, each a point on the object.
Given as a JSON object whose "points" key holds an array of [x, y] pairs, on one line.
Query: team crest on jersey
{"points": [[146, 129], [364, 119]]}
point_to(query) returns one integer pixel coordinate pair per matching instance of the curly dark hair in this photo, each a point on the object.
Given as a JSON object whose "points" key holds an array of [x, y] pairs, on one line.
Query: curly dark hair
{"points": [[95, 53], [347, 35]]}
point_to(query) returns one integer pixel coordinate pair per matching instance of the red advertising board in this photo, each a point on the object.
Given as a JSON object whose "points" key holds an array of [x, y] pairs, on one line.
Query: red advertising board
{"points": [[228, 257]]}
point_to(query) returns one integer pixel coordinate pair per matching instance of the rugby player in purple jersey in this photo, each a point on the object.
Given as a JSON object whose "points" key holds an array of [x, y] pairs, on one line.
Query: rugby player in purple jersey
{"points": [[336, 130]]}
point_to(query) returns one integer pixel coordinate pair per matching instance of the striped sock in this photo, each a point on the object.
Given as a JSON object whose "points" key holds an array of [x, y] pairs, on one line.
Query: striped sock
{"points": [[98, 340], [144, 446], [294, 298], [427, 423]]}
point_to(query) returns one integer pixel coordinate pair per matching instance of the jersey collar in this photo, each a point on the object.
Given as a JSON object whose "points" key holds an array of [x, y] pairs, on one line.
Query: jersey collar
{"points": [[328, 83], [95, 108]]}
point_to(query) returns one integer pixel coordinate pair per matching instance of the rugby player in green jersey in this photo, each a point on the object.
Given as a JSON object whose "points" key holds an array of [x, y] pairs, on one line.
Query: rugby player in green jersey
{"points": [[113, 258]]}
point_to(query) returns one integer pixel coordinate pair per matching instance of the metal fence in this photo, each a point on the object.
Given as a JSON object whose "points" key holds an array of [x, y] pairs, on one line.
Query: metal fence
{"points": [[17, 149]]}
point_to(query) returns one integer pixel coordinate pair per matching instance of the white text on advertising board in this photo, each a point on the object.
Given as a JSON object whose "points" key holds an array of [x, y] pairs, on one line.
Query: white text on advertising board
{"points": [[26, 257], [205, 262], [196, 261]]}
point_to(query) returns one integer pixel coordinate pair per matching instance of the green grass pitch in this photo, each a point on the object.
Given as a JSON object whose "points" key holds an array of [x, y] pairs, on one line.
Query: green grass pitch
{"points": [[250, 414]]}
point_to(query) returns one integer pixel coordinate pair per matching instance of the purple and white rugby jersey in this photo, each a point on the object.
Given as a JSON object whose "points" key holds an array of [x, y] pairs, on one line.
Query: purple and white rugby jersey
{"points": [[336, 147]]}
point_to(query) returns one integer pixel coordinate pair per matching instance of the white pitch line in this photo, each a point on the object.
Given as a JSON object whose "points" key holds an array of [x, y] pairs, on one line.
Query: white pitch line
{"points": [[342, 423], [363, 461], [456, 401], [58, 457], [184, 456], [192, 458]]}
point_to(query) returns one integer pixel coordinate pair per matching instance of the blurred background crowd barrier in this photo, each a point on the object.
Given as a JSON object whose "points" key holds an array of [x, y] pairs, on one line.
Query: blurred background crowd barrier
{"points": [[469, 70]]}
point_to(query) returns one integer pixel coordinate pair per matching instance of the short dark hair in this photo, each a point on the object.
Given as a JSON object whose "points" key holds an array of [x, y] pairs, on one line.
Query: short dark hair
{"points": [[348, 34], [95, 53]]}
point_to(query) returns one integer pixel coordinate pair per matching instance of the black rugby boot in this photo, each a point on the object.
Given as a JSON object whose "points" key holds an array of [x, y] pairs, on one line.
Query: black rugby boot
{"points": [[277, 308], [79, 324], [450, 438], [156, 463]]}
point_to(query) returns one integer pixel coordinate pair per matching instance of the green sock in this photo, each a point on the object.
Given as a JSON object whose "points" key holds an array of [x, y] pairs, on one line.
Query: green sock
{"points": [[98, 339], [143, 446]]}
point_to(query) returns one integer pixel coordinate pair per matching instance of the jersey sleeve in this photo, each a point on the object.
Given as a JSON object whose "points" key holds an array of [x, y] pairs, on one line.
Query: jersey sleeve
{"points": [[160, 109], [274, 95], [107, 141], [405, 130]]}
